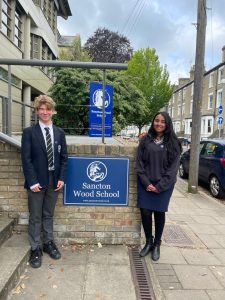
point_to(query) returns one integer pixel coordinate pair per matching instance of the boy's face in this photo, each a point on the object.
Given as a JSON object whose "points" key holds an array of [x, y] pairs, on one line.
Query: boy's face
{"points": [[45, 114]]}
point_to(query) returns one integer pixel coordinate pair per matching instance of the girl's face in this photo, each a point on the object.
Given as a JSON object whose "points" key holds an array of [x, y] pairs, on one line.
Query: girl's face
{"points": [[159, 125]]}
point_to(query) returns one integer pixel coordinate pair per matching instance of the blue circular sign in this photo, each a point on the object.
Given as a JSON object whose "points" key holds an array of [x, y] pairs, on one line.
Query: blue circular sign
{"points": [[220, 109], [220, 120]]}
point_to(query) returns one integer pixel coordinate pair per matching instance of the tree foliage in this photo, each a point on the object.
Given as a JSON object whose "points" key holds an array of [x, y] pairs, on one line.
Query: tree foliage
{"points": [[108, 46], [74, 52], [71, 93], [152, 80]]}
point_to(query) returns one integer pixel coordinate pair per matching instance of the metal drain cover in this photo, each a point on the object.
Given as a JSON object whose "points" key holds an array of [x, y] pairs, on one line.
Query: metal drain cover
{"points": [[141, 276], [174, 234]]}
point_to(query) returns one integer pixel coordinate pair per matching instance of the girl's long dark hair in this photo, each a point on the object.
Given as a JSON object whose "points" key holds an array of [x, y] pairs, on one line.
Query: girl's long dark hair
{"points": [[171, 141]]}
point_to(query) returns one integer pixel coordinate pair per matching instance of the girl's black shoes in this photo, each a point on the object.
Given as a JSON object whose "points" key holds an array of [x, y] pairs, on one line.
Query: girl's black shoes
{"points": [[147, 248], [156, 250]]}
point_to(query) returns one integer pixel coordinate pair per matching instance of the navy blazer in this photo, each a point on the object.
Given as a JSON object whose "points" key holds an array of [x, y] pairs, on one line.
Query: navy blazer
{"points": [[34, 156]]}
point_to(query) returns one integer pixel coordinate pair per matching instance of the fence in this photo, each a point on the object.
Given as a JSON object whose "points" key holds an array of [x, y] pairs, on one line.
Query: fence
{"points": [[8, 102], [18, 115]]}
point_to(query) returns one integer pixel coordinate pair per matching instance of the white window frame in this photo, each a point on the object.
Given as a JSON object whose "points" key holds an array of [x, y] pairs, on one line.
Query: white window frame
{"points": [[178, 109], [211, 80], [210, 103], [192, 89], [191, 106], [219, 98], [220, 74]]}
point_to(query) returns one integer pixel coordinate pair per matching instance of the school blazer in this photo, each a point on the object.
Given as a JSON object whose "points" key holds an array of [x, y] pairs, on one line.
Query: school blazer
{"points": [[34, 156]]}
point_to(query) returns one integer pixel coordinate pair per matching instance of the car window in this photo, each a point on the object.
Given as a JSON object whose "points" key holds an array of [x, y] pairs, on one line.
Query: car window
{"points": [[210, 149], [201, 147]]}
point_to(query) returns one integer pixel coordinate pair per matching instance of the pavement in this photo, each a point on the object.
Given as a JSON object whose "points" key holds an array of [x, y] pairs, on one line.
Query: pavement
{"points": [[191, 266]]}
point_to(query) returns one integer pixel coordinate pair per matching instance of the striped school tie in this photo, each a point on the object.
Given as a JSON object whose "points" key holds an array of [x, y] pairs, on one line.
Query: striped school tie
{"points": [[49, 148]]}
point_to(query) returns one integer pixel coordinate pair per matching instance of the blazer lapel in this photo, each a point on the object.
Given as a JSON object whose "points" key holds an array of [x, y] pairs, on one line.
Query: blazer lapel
{"points": [[40, 137], [56, 139]]}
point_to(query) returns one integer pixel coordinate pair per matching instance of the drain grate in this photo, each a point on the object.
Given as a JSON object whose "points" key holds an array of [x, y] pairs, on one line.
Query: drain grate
{"points": [[175, 235], [142, 283]]}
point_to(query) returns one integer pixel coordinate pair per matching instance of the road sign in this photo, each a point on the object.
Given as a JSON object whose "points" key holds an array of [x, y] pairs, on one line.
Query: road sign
{"points": [[220, 109], [220, 120], [96, 95]]}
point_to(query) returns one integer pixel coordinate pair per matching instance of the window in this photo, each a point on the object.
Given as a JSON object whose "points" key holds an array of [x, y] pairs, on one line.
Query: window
{"points": [[211, 79], [184, 93], [173, 98], [17, 29], [183, 109], [219, 98], [180, 96], [50, 13], [220, 74], [172, 112], [178, 109], [191, 106], [210, 101], [37, 2], [192, 89], [210, 149], [6, 18], [35, 47], [209, 128], [4, 76]]}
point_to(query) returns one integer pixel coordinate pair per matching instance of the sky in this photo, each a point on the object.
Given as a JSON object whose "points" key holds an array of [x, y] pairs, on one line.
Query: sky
{"points": [[169, 26]]}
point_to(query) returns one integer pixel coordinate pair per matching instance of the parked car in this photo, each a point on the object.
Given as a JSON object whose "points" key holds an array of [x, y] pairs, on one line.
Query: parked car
{"points": [[211, 165]]}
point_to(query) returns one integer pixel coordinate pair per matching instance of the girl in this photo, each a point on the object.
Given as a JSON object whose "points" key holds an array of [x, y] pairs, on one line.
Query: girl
{"points": [[157, 165]]}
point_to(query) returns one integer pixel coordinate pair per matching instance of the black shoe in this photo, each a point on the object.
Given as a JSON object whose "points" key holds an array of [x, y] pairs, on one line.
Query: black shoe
{"points": [[147, 248], [52, 250], [156, 251], [35, 258]]}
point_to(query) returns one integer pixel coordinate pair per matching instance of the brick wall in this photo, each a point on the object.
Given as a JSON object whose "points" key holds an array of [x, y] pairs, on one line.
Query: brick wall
{"points": [[74, 224]]}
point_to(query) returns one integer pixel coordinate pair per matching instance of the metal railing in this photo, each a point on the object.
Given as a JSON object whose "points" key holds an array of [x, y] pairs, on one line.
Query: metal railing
{"points": [[16, 114], [7, 109]]}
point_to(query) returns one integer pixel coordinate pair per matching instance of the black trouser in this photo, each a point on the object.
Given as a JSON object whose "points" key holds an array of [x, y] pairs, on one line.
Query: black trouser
{"points": [[159, 218], [41, 208]]}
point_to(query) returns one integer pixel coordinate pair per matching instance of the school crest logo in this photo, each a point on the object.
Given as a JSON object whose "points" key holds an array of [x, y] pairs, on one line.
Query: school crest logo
{"points": [[96, 171]]}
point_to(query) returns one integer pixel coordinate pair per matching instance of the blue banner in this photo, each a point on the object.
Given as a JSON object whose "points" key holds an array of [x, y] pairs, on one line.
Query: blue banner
{"points": [[97, 181], [96, 96]]}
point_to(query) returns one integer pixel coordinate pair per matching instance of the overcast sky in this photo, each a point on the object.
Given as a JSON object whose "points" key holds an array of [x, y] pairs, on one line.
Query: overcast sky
{"points": [[166, 25]]}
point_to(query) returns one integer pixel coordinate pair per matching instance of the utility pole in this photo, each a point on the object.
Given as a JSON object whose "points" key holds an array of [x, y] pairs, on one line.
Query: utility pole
{"points": [[197, 98]]}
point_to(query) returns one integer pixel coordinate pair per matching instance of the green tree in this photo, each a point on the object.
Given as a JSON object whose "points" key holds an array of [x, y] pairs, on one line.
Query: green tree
{"points": [[152, 80], [75, 52], [108, 46], [71, 93]]}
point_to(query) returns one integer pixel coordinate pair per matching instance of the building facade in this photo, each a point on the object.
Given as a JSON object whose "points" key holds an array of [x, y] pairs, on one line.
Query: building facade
{"points": [[180, 106], [28, 30]]}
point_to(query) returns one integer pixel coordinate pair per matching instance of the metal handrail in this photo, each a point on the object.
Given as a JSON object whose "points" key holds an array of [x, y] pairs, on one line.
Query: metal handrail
{"points": [[6, 138]]}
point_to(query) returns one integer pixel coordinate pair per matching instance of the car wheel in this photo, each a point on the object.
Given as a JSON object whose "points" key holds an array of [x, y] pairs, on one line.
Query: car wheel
{"points": [[215, 187], [182, 172]]}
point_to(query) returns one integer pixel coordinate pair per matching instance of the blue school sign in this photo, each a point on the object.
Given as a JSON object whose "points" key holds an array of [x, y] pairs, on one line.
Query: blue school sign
{"points": [[96, 95], [97, 181]]}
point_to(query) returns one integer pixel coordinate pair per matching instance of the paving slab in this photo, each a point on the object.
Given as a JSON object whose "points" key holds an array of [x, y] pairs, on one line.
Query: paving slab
{"points": [[83, 272], [220, 239], [197, 278], [170, 255], [186, 295], [216, 295], [219, 272], [220, 254], [108, 280], [200, 257], [205, 220], [204, 228], [209, 240]]}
